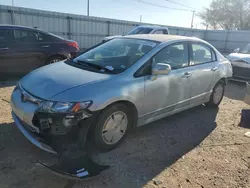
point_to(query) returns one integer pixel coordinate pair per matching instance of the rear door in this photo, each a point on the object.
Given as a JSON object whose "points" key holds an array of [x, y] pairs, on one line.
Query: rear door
{"points": [[203, 62], [6, 52], [27, 50], [49, 45]]}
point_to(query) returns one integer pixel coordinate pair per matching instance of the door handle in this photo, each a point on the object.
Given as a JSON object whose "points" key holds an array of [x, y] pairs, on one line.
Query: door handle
{"points": [[46, 46], [186, 75], [214, 69], [4, 48]]}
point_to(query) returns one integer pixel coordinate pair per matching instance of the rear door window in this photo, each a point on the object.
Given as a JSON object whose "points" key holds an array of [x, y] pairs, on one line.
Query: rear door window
{"points": [[42, 37], [202, 54], [6, 35], [158, 32], [140, 30], [26, 36], [165, 31]]}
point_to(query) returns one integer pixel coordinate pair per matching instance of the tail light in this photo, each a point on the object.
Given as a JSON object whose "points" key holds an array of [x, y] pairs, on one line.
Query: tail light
{"points": [[73, 44]]}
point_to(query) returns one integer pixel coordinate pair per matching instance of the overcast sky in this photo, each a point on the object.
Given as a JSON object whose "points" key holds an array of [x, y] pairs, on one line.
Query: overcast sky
{"points": [[124, 9]]}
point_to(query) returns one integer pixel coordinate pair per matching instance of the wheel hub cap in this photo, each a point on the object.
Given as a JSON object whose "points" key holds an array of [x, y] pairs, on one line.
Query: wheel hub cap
{"points": [[115, 127]]}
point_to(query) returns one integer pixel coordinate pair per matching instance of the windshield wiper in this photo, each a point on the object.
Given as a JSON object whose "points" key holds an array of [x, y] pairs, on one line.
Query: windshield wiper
{"points": [[99, 67]]}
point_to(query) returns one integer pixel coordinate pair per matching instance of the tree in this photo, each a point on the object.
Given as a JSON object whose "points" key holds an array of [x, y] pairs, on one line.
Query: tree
{"points": [[227, 14]]}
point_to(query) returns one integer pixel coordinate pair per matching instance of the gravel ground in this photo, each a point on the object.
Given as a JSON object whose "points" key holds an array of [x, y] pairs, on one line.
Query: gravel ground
{"points": [[201, 148]]}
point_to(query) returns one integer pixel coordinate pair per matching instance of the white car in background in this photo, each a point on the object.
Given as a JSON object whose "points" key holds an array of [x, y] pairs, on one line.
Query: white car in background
{"points": [[240, 61], [143, 29]]}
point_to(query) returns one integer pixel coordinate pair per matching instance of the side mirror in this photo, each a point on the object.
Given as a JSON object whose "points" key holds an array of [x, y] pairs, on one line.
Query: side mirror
{"points": [[236, 50], [161, 69]]}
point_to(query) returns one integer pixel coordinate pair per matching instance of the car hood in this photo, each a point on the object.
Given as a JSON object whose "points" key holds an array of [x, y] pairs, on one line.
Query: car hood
{"points": [[239, 57], [56, 78]]}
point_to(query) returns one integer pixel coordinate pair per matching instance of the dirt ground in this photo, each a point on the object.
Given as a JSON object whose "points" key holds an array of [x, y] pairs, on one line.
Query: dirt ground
{"points": [[201, 147]]}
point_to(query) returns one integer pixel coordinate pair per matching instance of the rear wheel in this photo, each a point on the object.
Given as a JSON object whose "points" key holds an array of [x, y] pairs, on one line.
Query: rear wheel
{"points": [[217, 94], [54, 59], [112, 126]]}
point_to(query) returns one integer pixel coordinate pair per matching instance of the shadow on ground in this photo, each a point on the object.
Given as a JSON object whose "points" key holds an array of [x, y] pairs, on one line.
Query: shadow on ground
{"points": [[235, 90], [154, 147], [144, 154]]}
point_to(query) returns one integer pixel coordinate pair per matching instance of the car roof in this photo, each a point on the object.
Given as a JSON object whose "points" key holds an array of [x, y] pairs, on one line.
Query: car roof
{"points": [[7, 26], [152, 26], [161, 37]]}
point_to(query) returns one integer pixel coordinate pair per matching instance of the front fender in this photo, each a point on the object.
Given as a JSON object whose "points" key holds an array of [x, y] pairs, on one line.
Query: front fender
{"points": [[101, 105]]}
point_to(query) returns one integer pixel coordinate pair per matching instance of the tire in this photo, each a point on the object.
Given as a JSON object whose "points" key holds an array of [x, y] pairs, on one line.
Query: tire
{"points": [[54, 59], [217, 95], [108, 132]]}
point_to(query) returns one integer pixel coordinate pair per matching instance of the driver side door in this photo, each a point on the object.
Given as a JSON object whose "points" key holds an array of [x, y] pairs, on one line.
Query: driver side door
{"points": [[166, 94]]}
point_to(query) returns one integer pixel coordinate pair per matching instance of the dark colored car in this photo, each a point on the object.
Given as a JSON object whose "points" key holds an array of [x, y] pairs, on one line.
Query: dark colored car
{"points": [[23, 49]]}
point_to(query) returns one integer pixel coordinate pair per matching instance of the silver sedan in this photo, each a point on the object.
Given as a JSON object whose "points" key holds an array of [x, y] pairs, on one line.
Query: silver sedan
{"points": [[124, 83]]}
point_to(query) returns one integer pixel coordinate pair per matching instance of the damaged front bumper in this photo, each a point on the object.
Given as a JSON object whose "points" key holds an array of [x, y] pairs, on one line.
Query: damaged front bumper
{"points": [[54, 133], [53, 137], [46, 130], [75, 166], [32, 137]]}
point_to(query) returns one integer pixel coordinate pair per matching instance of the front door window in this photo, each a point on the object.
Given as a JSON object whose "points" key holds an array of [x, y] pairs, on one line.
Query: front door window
{"points": [[175, 55]]}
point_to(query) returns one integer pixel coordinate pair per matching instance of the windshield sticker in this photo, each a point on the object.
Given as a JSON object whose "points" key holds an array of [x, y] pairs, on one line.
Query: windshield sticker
{"points": [[123, 66], [109, 67]]}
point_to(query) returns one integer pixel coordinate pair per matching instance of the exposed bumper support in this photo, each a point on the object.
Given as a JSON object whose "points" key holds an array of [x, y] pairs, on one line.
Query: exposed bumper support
{"points": [[32, 137], [79, 167], [76, 166]]}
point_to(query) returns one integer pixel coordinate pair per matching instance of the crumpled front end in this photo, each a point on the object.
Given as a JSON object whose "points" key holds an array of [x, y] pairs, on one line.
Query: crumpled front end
{"points": [[45, 129], [241, 66], [56, 133]]}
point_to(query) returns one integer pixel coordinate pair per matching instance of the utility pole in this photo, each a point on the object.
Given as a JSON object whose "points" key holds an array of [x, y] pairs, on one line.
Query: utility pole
{"points": [[87, 7], [192, 22], [140, 18], [13, 15]]}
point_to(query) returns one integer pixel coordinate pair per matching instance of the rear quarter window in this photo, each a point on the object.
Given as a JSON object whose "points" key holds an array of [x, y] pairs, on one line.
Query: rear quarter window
{"points": [[43, 37]]}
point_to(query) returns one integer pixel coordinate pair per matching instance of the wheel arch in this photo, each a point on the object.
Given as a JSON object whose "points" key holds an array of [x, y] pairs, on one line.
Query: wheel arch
{"points": [[54, 55], [131, 106], [223, 80]]}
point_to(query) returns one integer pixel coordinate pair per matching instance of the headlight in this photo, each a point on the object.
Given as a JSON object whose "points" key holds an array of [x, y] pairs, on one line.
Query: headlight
{"points": [[61, 107]]}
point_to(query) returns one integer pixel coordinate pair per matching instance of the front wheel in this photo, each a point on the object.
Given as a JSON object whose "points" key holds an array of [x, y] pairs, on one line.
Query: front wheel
{"points": [[217, 95], [112, 126]]}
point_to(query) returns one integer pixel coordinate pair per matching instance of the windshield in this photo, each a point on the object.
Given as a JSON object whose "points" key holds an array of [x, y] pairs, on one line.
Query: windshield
{"points": [[246, 50], [115, 56], [139, 30]]}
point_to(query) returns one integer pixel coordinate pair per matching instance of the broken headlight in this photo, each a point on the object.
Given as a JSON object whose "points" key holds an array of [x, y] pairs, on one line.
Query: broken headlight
{"points": [[62, 107]]}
